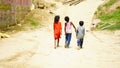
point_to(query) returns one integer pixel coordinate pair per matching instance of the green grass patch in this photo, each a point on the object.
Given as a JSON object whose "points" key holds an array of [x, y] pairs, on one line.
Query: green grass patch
{"points": [[53, 5], [5, 7], [100, 8], [101, 25], [114, 27], [33, 22], [114, 16], [109, 26], [109, 3], [110, 21]]}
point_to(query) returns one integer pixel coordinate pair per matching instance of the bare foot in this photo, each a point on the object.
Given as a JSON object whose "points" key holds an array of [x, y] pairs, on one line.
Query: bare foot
{"points": [[78, 48], [54, 47], [65, 46], [57, 45]]}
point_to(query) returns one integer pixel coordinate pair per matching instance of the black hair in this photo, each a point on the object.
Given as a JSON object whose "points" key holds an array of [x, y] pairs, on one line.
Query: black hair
{"points": [[81, 23], [56, 18], [66, 18]]}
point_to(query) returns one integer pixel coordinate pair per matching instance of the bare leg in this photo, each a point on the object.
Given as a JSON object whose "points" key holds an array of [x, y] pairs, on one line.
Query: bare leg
{"points": [[55, 43], [78, 47], [58, 43]]}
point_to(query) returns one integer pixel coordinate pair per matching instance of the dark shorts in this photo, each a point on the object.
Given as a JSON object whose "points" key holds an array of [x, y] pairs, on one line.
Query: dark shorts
{"points": [[80, 42]]}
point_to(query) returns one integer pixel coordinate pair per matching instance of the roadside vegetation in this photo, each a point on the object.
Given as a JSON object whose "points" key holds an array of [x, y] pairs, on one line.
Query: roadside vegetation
{"points": [[36, 19], [25, 19], [109, 15]]}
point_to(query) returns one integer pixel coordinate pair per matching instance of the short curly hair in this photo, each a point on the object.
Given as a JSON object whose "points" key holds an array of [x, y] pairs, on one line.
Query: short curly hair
{"points": [[81, 23], [56, 18], [66, 18]]}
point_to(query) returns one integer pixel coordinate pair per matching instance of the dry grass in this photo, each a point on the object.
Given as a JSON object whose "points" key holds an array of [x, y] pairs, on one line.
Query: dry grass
{"points": [[114, 7]]}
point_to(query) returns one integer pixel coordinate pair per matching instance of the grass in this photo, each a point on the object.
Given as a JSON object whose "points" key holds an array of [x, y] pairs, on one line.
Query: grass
{"points": [[110, 2], [27, 20], [109, 26], [109, 21], [53, 5], [33, 22], [5, 7], [114, 16]]}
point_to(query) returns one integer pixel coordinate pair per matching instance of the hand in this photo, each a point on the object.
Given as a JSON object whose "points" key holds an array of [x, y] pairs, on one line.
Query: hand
{"points": [[75, 31], [65, 33], [60, 33], [76, 37]]}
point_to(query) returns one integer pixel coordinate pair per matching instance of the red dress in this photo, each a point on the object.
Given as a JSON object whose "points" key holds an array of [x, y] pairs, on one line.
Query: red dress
{"points": [[57, 30]]}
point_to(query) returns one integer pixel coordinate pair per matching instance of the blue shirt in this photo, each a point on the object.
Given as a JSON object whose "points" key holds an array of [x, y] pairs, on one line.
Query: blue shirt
{"points": [[80, 32]]}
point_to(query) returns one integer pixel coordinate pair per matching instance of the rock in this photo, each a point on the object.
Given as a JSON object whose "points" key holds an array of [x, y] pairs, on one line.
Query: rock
{"points": [[92, 28], [51, 12], [41, 6], [19, 24], [4, 35], [32, 7]]}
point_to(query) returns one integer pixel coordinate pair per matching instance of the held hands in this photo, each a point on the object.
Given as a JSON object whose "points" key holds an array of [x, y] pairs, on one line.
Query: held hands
{"points": [[65, 33], [76, 37], [61, 33], [75, 30]]}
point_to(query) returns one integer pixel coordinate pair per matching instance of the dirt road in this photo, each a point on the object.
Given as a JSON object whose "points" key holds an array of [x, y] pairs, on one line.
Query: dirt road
{"points": [[35, 49]]}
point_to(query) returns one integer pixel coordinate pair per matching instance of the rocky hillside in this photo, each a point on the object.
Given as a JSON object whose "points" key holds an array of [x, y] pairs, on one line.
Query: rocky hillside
{"points": [[109, 15], [14, 18], [12, 12]]}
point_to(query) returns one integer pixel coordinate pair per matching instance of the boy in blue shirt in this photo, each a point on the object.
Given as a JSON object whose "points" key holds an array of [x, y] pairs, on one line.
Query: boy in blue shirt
{"points": [[80, 34]]}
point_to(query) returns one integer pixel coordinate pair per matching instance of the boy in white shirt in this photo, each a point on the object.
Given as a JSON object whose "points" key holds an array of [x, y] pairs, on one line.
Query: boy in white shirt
{"points": [[80, 34]]}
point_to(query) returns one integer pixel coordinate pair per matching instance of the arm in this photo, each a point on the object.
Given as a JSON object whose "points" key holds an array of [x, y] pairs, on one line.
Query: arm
{"points": [[77, 33], [60, 28], [65, 28], [53, 26], [73, 26], [84, 31]]}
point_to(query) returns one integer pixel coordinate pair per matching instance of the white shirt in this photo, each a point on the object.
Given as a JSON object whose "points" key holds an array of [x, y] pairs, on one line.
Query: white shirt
{"points": [[80, 32], [68, 27]]}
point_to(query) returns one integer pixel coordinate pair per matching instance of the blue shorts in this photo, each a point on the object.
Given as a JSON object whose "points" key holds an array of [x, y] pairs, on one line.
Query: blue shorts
{"points": [[80, 42]]}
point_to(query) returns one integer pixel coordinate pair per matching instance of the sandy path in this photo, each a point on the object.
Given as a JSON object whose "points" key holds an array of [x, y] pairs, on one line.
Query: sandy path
{"points": [[96, 53], [35, 49]]}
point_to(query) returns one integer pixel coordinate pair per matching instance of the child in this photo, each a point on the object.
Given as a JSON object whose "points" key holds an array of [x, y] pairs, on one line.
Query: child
{"points": [[68, 31], [57, 30], [80, 34]]}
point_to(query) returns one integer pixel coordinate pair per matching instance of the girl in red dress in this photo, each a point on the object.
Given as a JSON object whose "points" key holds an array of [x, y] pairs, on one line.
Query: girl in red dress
{"points": [[57, 30]]}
